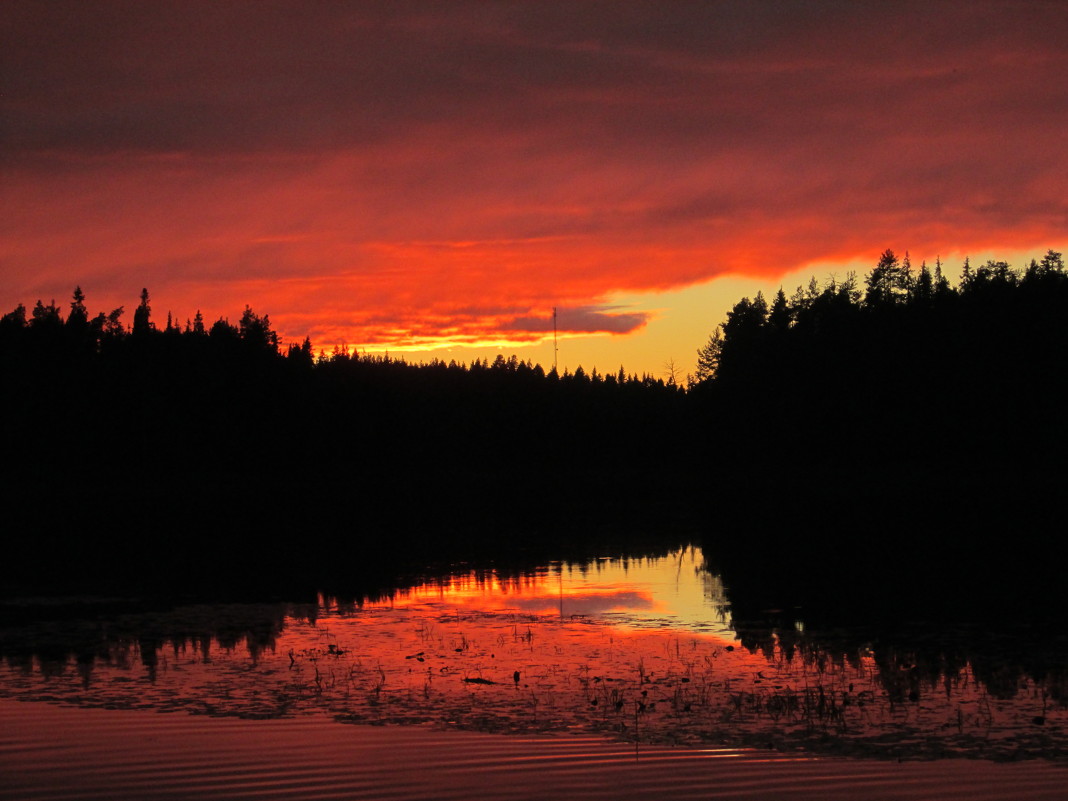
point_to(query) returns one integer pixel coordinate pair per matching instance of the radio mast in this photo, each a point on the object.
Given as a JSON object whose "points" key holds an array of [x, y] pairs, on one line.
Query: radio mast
{"points": [[556, 350]]}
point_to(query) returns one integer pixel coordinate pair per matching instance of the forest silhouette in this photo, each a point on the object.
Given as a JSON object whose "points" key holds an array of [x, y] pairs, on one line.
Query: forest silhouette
{"points": [[899, 423]]}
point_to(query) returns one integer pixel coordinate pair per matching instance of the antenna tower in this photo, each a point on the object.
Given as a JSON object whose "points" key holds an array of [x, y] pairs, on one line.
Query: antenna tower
{"points": [[556, 350]]}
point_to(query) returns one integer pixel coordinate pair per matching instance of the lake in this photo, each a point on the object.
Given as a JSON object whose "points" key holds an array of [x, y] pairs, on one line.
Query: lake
{"points": [[610, 661]]}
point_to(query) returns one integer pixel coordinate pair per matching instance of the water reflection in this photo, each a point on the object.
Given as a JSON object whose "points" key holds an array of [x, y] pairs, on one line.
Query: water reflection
{"points": [[674, 591], [643, 649]]}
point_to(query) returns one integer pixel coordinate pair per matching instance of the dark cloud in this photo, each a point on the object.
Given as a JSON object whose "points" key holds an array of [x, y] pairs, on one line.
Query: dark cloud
{"points": [[581, 320], [224, 76]]}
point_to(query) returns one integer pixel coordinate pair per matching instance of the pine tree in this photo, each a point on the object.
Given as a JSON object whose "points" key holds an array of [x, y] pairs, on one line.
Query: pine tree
{"points": [[78, 317], [779, 317], [708, 357], [142, 316]]}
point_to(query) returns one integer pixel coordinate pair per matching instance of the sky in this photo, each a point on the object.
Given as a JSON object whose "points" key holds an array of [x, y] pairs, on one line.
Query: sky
{"points": [[433, 179]]}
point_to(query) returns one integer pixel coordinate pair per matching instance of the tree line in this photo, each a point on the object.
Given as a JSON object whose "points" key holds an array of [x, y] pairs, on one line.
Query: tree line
{"points": [[904, 360], [45, 335], [898, 308]]}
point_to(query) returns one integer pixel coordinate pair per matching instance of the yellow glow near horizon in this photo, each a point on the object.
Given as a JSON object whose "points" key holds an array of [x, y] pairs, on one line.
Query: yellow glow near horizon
{"points": [[676, 589], [682, 319]]}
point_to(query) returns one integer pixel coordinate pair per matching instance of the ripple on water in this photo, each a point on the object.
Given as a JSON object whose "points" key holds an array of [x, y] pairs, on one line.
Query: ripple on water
{"points": [[52, 753], [511, 672]]}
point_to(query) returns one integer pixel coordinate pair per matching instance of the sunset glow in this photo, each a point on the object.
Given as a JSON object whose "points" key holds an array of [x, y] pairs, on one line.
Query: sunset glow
{"points": [[433, 179]]}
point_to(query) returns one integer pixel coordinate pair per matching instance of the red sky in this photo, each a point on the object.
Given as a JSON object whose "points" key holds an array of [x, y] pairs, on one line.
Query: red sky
{"points": [[400, 174]]}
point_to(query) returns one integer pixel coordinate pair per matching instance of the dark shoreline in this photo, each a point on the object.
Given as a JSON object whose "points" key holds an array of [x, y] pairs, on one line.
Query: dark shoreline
{"points": [[839, 443]]}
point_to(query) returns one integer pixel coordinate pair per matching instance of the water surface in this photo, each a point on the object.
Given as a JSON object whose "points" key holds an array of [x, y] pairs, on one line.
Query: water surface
{"points": [[50, 753], [642, 651]]}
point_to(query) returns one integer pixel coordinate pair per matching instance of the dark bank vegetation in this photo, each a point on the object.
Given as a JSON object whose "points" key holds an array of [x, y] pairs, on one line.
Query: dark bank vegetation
{"points": [[895, 423], [899, 437], [196, 453]]}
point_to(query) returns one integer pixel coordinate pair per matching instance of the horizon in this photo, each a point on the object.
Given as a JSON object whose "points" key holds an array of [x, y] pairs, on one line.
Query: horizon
{"points": [[719, 293]]}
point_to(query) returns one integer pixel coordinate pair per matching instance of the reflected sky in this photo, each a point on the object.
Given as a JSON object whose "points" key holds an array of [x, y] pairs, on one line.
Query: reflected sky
{"points": [[634, 649], [673, 592]]}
